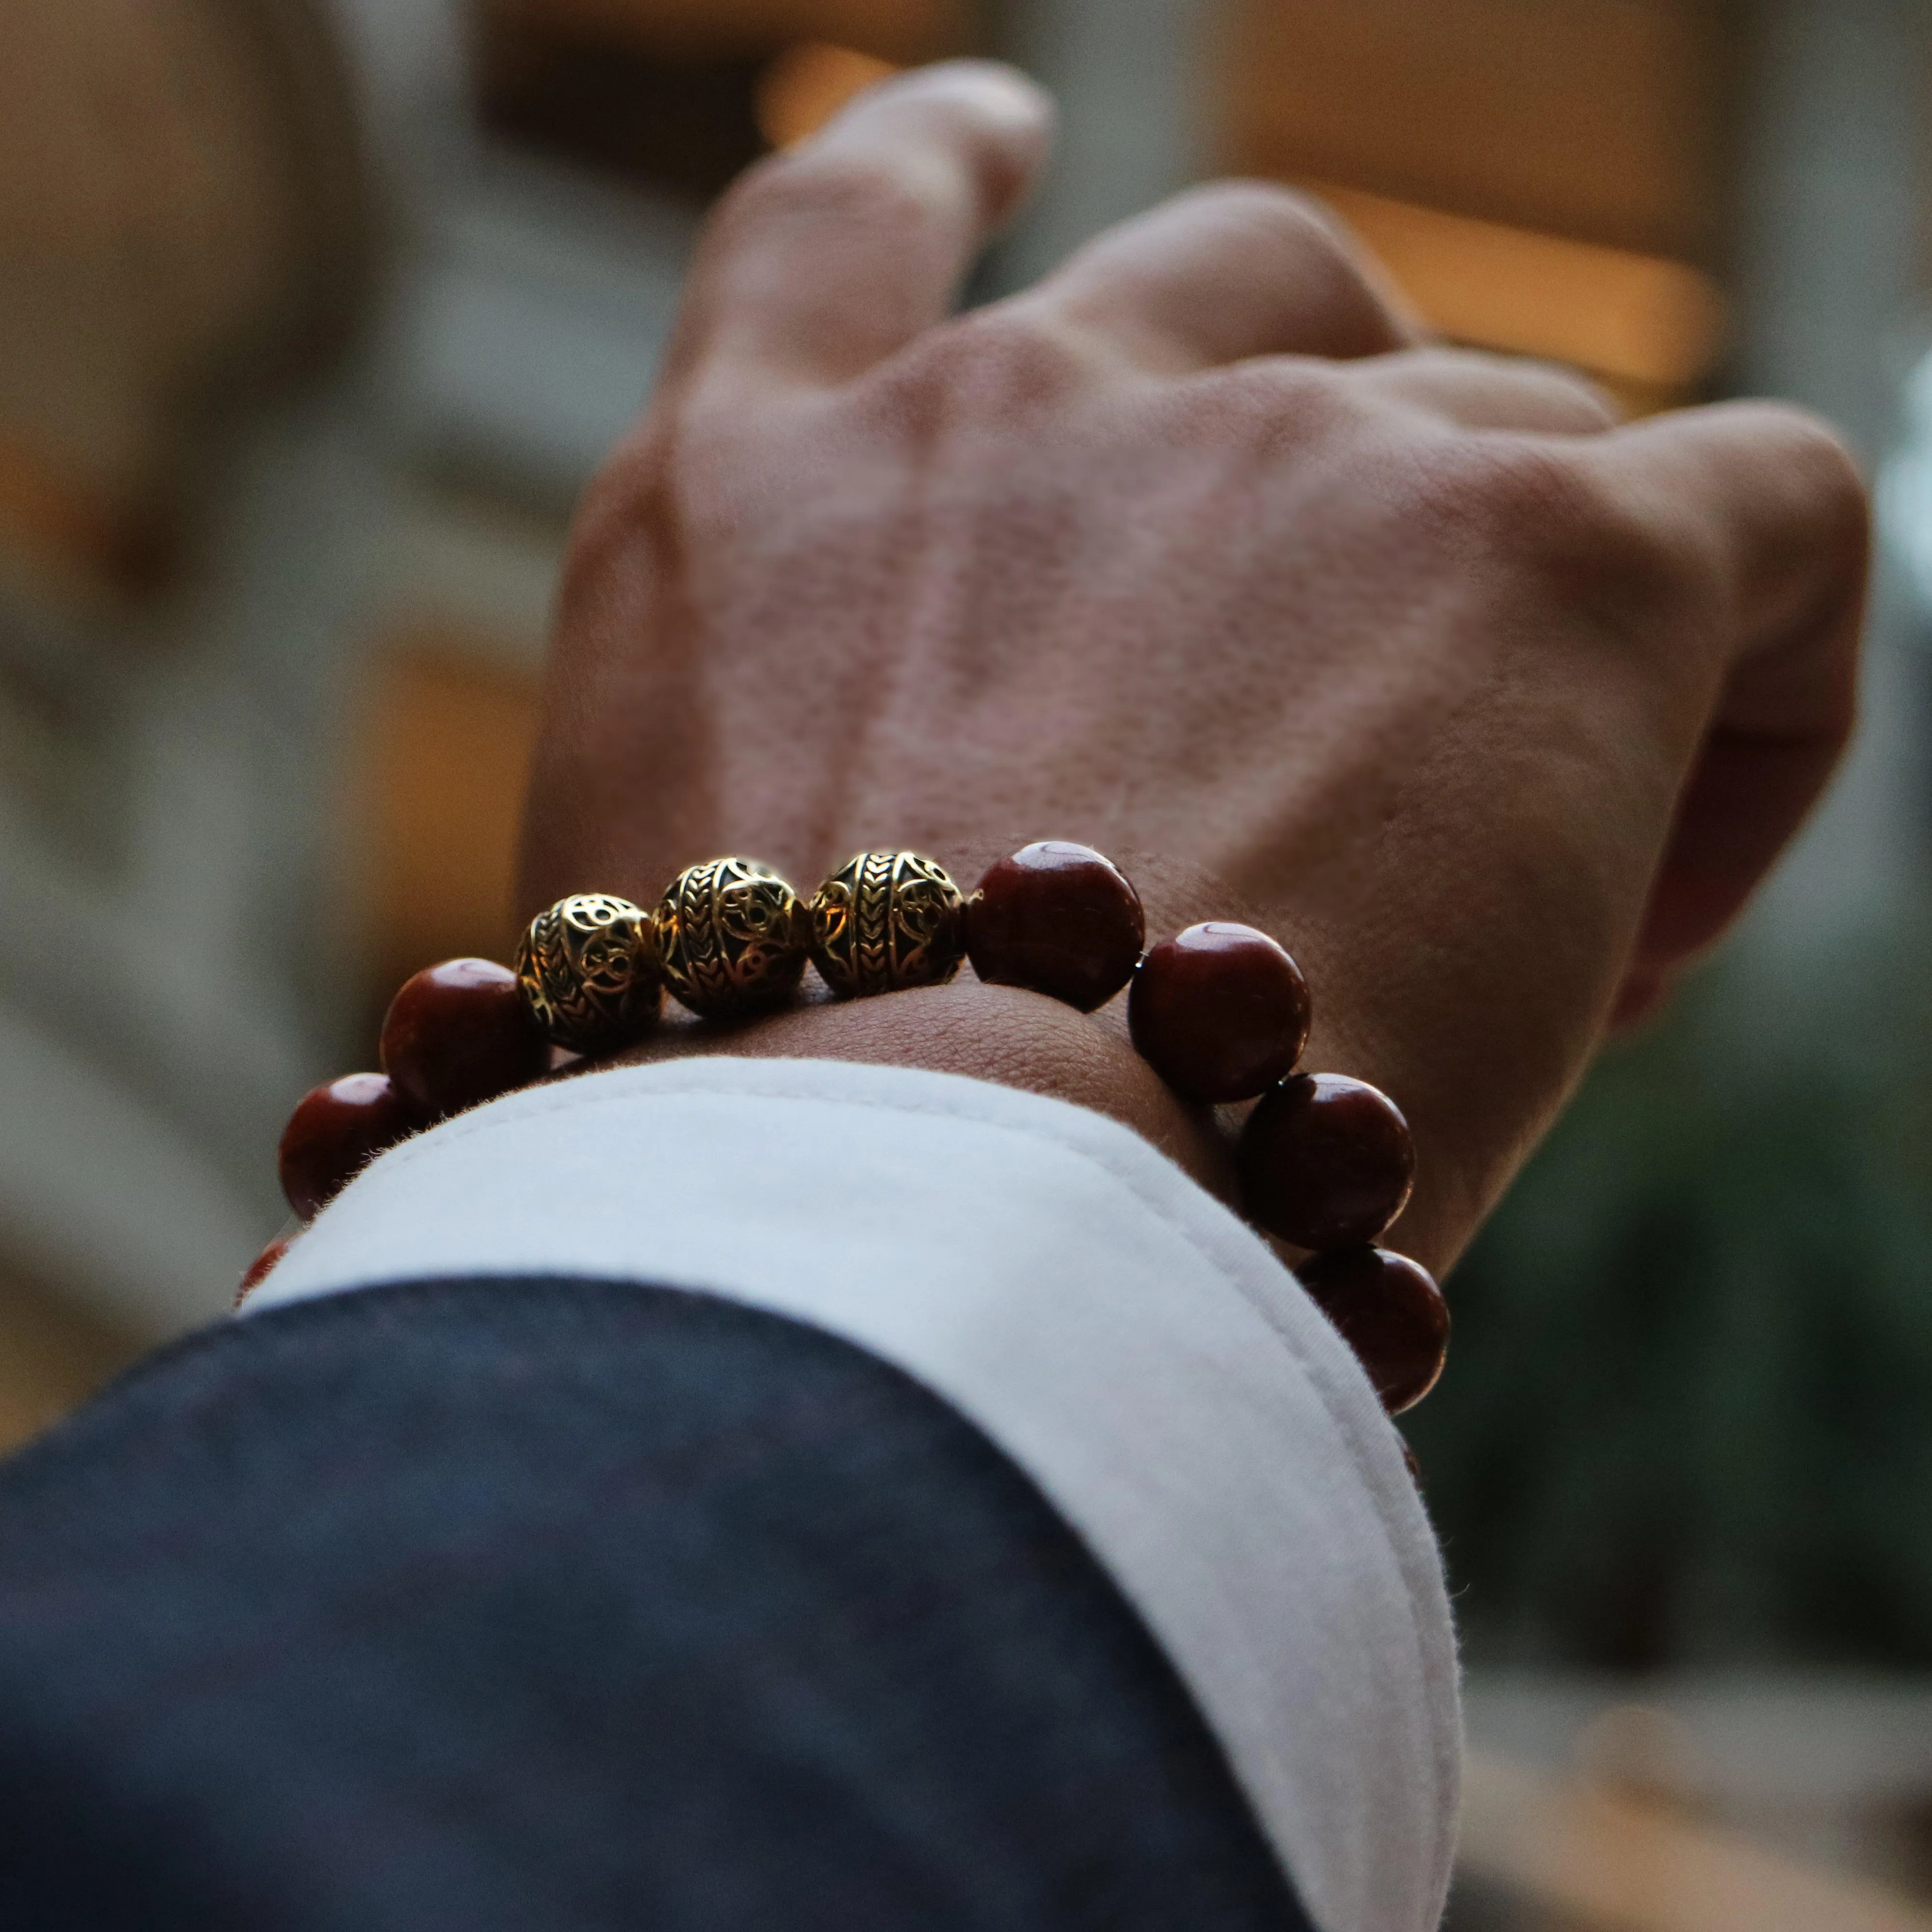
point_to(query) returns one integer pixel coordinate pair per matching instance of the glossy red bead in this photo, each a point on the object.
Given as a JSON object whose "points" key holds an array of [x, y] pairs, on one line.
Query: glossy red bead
{"points": [[1057, 918], [260, 1269], [335, 1132], [1220, 1012], [1325, 1162], [458, 1034], [1390, 1312]]}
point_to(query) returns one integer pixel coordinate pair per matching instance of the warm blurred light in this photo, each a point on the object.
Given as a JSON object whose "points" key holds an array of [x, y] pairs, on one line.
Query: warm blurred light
{"points": [[52, 1354], [1636, 319], [807, 85], [903, 30], [1638, 1751], [443, 773], [1605, 118], [62, 538], [1587, 1859]]}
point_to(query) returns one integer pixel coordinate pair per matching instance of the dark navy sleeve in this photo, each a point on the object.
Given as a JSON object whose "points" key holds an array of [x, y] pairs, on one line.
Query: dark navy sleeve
{"points": [[561, 1605]]}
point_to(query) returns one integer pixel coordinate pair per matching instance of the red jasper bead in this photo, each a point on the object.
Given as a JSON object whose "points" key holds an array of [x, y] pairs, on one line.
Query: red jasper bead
{"points": [[1325, 1162], [260, 1268], [1390, 1312], [335, 1132], [1059, 918], [458, 1034], [1220, 1012]]}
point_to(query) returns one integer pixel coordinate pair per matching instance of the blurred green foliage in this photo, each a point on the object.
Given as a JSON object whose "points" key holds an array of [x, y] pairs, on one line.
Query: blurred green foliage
{"points": [[1687, 1416]]}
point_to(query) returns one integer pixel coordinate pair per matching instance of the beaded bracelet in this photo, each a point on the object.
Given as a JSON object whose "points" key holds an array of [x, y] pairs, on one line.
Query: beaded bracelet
{"points": [[1221, 1011]]}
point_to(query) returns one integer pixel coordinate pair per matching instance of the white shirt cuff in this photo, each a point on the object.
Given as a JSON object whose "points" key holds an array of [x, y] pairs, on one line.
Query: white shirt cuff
{"points": [[1123, 1337]]}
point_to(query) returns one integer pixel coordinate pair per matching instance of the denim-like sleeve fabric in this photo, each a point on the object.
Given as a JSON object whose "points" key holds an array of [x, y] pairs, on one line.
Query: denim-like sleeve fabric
{"points": [[523, 1605]]}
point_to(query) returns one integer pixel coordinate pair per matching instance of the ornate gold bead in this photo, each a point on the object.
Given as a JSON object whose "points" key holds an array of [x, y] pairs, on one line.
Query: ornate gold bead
{"points": [[886, 922], [733, 938], [587, 968]]}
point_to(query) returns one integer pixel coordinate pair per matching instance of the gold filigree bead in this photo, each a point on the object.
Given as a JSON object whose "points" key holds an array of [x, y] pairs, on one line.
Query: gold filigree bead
{"points": [[886, 921], [587, 968], [733, 938]]}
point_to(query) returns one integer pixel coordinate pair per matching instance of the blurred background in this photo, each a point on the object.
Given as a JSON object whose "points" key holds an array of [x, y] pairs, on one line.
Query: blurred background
{"points": [[315, 315]]}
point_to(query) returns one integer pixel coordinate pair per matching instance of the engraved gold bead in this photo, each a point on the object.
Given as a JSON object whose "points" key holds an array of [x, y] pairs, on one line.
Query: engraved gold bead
{"points": [[886, 921], [733, 938], [587, 968]]}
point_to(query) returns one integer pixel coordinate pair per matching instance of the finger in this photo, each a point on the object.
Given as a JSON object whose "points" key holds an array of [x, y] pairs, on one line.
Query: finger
{"points": [[1770, 502], [826, 258], [1236, 269], [1469, 390]]}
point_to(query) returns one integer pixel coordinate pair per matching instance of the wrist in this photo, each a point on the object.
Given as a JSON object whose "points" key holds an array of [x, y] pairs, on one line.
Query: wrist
{"points": [[1018, 1038], [1004, 1034]]}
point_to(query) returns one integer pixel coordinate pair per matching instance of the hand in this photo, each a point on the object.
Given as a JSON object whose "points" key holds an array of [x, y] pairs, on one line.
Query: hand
{"points": [[1493, 712]]}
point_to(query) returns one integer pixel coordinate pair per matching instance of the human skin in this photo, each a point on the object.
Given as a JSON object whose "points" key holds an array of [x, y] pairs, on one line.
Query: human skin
{"points": [[1493, 711]]}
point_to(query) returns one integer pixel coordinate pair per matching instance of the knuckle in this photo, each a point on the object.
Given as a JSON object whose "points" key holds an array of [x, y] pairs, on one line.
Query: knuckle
{"points": [[1279, 218], [1530, 507], [1821, 464], [1296, 400], [1590, 402], [1301, 246], [1565, 393], [998, 361]]}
